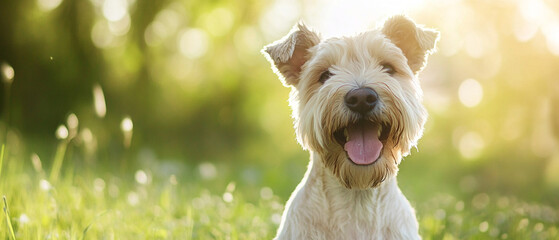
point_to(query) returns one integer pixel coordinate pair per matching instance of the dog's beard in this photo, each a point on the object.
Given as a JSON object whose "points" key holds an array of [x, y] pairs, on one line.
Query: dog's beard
{"points": [[355, 176]]}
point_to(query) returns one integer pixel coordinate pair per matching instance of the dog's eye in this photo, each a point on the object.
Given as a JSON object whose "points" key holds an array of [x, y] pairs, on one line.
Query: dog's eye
{"points": [[325, 76], [388, 68]]}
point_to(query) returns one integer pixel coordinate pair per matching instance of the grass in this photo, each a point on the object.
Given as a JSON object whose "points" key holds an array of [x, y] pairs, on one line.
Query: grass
{"points": [[170, 200]]}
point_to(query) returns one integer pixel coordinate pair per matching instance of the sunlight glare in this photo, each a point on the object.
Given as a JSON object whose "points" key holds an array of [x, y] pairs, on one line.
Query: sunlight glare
{"points": [[358, 14], [279, 18], [534, 11], [551, 32], [470, 93]]}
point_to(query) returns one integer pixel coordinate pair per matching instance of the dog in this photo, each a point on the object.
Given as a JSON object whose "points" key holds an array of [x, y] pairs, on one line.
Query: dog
{"points": [[357, 108]]}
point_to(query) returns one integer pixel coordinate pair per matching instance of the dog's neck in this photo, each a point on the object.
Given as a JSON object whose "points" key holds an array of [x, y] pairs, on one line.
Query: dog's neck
{"points": [[362, 203]]}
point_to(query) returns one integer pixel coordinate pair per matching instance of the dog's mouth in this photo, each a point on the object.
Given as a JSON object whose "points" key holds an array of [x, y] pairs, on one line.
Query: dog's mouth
{"points": [[363, 140]]}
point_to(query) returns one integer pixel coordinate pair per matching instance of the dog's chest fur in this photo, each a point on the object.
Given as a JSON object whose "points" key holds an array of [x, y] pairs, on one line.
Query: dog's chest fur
{"points": [[336, 212]]}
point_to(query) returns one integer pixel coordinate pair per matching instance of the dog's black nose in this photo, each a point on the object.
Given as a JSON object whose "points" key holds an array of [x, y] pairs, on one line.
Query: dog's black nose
{"points": [[361, 100]]}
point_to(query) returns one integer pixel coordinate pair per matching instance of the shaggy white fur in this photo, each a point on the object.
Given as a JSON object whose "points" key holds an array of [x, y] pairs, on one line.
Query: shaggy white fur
{"points": [[339, 198]]}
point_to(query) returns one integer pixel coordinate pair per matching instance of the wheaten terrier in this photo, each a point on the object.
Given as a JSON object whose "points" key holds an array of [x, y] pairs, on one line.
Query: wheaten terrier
{"points": [[357, 108]]}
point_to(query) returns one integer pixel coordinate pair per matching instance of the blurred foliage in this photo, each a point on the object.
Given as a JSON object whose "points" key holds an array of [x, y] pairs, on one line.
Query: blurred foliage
{"points": [[190, 77]]}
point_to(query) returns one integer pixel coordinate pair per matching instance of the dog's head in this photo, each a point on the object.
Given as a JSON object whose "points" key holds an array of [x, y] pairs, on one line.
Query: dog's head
{"points": [[356, 100]]}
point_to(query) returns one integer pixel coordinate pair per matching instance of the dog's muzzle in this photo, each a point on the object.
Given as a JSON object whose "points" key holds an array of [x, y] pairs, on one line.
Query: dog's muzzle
{"points": [[363, 139]]}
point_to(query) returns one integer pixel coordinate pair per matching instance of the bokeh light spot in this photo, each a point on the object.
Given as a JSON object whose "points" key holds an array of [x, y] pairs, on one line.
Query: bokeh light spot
{"points": [[266, 193], [99, 184], [470, 92], [276, 218], [248, 42], [227, 197], [47, 5], [166, 22], [471, 144], [120, 27], [101, 35], [44, 185], [141, 177], [114, 10], [133, 198], [99, 101], [62, 132], [126, 125], [207, 170], [219, 21], [523, 30], [7, 73], [23, 219], [551, 32], [193, 43], [72, 121], [484, 226], [475, 45]]}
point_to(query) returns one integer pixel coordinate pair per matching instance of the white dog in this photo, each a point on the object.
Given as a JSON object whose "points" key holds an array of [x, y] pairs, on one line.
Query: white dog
{"points": [[357, 108]]}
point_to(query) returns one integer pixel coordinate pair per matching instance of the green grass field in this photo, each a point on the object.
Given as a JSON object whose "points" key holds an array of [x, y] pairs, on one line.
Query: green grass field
{"points": [[170, 201]]}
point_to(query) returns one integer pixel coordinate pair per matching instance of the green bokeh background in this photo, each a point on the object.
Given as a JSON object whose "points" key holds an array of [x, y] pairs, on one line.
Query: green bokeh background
{"points": [[190, 76]]}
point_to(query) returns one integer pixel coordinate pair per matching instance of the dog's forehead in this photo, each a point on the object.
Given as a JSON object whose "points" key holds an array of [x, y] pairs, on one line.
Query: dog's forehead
{"points": [[369, 45]]}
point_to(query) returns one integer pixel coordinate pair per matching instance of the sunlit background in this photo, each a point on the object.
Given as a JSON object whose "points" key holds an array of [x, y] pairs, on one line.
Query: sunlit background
{"points": [[180, 88]]}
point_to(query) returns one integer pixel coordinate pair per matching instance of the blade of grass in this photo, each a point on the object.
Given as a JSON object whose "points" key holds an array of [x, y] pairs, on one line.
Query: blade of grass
{"points": [[1, 158], [58, 159], [92, 222], [8, 219]]}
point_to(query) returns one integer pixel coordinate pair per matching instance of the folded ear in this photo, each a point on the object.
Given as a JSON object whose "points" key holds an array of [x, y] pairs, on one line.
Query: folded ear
{"points": [[416, 42], [288, 54]]}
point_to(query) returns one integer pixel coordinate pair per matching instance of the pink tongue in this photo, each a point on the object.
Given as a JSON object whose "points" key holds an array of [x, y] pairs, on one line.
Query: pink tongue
{"points": [[363, 146]]}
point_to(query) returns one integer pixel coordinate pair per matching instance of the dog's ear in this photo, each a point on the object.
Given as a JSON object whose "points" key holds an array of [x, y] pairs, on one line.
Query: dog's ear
{"points": [[288, 54], [416, 42]]}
